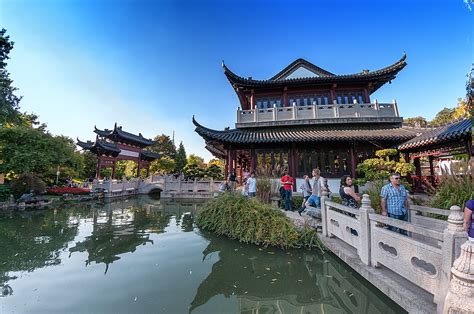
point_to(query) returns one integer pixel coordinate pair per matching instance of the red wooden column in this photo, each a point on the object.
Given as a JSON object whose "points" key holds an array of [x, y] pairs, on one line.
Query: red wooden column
{"points": [[97, 169], [353, 162], [113, 169], [285, 97], [417, 183], [252, 99], [253, 160], [148, 170], [469, 147], [366, 96], [139, 168], [333, 93], [292, 170], [226, 166]]}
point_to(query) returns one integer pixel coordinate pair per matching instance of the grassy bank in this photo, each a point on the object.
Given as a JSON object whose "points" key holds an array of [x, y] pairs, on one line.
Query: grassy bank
{"points": [[250, 221]]}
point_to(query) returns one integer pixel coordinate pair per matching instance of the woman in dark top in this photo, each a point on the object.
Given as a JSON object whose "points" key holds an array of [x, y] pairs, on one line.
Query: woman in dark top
{"points": [[348, 196], [469, 219]]}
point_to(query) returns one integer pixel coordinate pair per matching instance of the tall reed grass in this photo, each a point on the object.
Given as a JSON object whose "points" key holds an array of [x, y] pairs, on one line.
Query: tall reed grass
{"points": [[251, 221]]}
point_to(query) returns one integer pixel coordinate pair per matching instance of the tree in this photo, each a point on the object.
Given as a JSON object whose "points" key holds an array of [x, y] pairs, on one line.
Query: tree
{"points": [[196, 160], [165, 165], [30, 150], [463, 109], [443, 117], [89, 165], [9, 102], [164, 146], [416, 121], [180, 158]]}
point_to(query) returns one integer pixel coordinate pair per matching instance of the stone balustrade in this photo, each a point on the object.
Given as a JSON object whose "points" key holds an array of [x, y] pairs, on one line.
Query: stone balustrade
{"points": [[371, 110], [204, 185], [169, 186], [424, 256]]}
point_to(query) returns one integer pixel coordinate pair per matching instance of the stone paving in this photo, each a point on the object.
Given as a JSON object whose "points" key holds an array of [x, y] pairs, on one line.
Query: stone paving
{"points": [[302, 220]]}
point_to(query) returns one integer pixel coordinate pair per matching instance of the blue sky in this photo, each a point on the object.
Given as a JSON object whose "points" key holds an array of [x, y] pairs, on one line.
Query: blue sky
{"points": [[151, 65]]}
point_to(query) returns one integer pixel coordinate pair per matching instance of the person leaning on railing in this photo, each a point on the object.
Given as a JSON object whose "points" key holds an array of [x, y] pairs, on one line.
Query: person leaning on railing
{"points": [[395, 201], [469, 219]]}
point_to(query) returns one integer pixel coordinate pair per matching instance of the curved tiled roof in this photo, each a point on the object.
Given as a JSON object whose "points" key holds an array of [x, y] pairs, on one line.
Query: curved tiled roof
{"points": [[147, 155], [447, 133], [100, 147], [295, 64], [312, 133], [378, 77], [125, 136]]}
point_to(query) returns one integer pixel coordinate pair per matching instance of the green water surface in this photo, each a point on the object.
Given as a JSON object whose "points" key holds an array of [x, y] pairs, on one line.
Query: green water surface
{"points": [[142, 255]]}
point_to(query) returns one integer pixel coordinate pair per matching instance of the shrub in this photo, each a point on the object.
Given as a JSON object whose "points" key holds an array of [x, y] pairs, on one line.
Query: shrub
{"points": [[456, 188], [297, 202], [250, 221], [373, 191], [26, 183], [4, 193]]}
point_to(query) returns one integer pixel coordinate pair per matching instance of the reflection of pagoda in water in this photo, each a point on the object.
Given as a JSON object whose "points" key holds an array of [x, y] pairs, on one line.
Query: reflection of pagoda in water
{"points": [[118, 231], [120, 226], [264, 283]]}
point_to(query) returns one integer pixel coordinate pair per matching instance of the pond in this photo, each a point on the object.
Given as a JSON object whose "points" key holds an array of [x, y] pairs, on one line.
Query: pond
{"points": [[143, 255]]}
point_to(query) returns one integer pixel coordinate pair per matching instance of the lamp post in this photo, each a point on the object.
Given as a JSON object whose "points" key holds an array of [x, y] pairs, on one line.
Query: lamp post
{"points": [[57, 176]]}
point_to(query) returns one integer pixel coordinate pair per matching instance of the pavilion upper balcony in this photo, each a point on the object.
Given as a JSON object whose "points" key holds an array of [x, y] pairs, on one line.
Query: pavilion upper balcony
{"points": [[320, 114]]}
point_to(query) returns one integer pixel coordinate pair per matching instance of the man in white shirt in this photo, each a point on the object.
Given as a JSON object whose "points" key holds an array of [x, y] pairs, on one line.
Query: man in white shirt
{"points": [[317, 187], [252, 185]]}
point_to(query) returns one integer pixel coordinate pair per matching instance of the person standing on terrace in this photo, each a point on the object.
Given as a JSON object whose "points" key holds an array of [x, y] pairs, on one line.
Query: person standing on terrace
{"points": [[395, 201], [287, 182], [317, 188], [469, 219], [251, 185], [233, 181]]}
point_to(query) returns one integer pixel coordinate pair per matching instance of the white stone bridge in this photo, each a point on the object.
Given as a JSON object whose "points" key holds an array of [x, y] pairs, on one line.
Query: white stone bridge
{"points": [[167, 186], [419, 270]]}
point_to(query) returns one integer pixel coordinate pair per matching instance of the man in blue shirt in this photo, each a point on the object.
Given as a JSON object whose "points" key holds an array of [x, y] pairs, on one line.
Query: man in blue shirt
{"points": [[395, 201]]}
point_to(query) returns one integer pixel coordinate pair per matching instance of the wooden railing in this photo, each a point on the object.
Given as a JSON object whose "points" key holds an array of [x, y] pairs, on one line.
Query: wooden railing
{"points": [[424, 256]]}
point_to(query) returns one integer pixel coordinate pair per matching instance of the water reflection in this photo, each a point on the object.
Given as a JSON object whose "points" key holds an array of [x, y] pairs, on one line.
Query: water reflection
{"points": [[31, 240], [273, 281], [174, 268]]}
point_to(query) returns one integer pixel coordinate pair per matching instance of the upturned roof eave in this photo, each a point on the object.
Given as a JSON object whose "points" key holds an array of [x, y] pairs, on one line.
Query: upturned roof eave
{"points": [[382, 75]]}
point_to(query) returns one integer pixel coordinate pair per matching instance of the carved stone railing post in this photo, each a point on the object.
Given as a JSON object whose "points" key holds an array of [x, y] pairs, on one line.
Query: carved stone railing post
{"points": [[454, 233], [324, 221], [211, 185], [195, 186], [365, 241], [460, 297]]}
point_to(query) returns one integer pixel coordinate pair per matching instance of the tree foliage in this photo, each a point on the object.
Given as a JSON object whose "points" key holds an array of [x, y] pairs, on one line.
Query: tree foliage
{"points": [[196, 160], [446, 115], [181, 159], [416, 121], [9, 102], [379, 168], [164, 165], [26, 183], [30, 150], [164, 146]]}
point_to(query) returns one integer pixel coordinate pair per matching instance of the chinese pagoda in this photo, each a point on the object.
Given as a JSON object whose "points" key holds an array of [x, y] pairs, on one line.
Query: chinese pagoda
{"points": [[111, 146], [306, 117]]}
